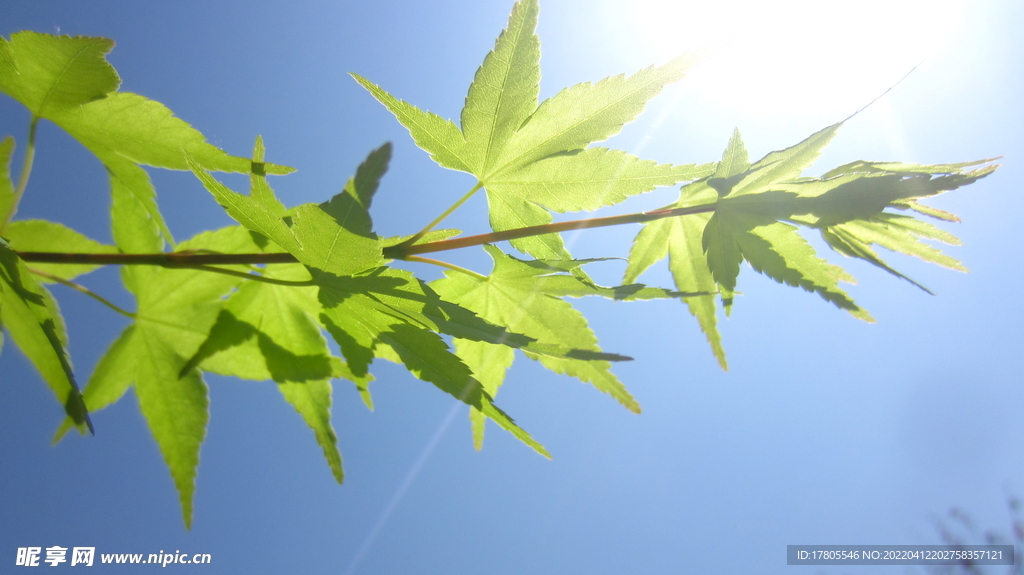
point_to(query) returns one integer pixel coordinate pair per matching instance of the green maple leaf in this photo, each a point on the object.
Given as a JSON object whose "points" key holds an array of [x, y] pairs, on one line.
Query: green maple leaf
{"points": [[896, 233], [390, 313], [369, 309], [176, 310], [268, 331], [68, 81], [334, 237], [51, 73], [525, 297], [45, 236], [32, 317], [680, 240], [847, 205], [533, 159], [758, 208]]}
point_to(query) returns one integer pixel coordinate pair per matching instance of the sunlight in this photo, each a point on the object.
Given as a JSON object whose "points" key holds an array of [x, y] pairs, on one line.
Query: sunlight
{"points": [[795, 57]]}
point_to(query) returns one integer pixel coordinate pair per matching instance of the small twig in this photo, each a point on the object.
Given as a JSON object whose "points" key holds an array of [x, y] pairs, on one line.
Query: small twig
{"points": [[26, 170], [253, 277], [444, 215], [83, 289], [445, 265]]}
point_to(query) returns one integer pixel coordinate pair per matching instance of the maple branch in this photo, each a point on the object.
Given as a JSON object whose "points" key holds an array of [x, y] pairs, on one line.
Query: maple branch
{"points": [[396, 252], [26, 169], [167, 260]]}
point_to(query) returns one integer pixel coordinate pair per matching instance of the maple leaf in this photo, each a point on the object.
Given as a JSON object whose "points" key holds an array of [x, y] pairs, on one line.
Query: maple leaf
{"points": [[533, 159], [176, 310], [45, 236], [334, 237], [28, 310], [758, 208], [390, 313], [32, 317], [525, 297], [369, 309], [269, 332], [68, 81]]}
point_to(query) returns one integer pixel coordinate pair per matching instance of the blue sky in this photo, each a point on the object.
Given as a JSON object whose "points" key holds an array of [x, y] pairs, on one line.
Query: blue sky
{"points": [[825, 429]]}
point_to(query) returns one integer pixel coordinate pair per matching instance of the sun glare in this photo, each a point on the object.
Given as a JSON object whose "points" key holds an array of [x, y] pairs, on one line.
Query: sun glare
{"points": [[795, 56]]}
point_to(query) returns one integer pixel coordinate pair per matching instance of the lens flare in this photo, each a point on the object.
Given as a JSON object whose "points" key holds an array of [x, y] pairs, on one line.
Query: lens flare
{"points": [[794, 57]]}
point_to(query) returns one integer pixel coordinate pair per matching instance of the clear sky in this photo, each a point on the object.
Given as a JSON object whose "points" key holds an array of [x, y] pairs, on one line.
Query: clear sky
{"points": [[825, 429]]}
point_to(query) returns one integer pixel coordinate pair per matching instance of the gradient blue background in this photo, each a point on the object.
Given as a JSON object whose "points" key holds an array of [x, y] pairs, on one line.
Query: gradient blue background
{"points": [[825, 429]]}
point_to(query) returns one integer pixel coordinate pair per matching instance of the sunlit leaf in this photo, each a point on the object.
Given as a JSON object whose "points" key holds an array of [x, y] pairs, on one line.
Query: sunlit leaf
{"points": [[44, 236], [524, 296], [532, 158], [360, 319], [146, 132], [758, 208], [268, 331], [334, 237], [56, 73], [31, 316], [176, 310]]}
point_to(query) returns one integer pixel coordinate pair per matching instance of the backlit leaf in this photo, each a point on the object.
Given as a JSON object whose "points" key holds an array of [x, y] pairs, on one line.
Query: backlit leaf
{"points": [[360, 319], [44, 236], [146, 132], [176, 310], [31, 316], [335, 236], [758, 208], [269, 331], [533, 158], [517, 295], [56, 73], [504, 91]]}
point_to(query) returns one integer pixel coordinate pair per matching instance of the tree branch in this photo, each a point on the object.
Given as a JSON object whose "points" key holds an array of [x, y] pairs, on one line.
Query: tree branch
{"points": [[397, 252]]}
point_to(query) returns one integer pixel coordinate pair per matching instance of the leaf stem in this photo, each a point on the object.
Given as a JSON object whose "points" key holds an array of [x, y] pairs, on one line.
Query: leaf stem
{"points": [[444, 215], [26, 169], [401, 251], [83, 289], [248, 276], [445, 265]]}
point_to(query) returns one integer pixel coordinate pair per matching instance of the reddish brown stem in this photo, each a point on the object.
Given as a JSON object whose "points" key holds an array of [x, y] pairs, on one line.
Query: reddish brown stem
{"points": [[398, 252], [531, 231]]}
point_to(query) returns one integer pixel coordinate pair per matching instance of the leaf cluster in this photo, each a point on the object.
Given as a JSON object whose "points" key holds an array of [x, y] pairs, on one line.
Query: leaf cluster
{"points": [[342, 281]]}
